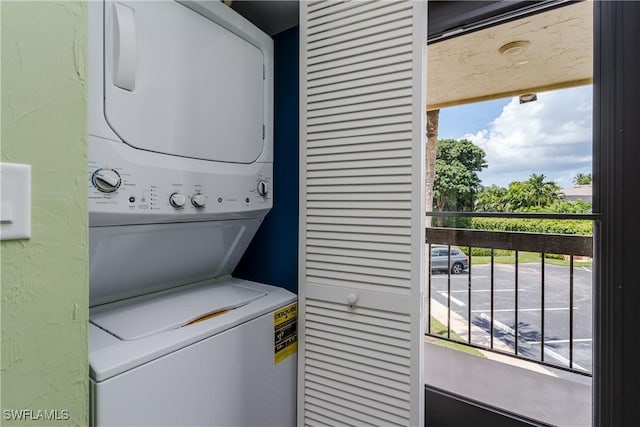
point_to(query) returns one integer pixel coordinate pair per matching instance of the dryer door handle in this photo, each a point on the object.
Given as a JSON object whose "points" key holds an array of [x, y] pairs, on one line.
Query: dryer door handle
{"points": [[124, 47]]}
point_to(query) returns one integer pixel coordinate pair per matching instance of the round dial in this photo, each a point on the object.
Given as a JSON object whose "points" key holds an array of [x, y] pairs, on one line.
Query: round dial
{"points": [[177, 200], [198, 200], [106, 180], [263, 188]]}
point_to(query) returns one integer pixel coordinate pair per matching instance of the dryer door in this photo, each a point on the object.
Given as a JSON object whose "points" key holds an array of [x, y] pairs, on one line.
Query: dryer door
{"points": [[180, 84]]}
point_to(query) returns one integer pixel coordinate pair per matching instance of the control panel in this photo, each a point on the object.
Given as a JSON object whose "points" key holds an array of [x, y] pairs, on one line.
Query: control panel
{"points": [[119, 186]]}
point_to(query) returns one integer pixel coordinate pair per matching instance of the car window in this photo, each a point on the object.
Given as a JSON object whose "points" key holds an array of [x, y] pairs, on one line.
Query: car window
{"points": [[439, 252]]}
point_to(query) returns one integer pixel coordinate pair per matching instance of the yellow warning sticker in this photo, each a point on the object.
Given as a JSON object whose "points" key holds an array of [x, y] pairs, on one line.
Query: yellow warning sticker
{"points": [[285, 329]]}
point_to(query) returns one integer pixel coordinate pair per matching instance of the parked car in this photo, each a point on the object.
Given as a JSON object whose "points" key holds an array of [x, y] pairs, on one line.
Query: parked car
{"points": [[457, 263]]}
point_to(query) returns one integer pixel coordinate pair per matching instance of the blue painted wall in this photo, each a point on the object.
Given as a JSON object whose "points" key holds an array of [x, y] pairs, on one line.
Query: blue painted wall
{"points": [[272, 257]]}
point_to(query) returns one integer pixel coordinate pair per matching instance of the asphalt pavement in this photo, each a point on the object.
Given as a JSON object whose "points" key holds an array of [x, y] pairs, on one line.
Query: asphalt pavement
{"points": [[534, 325]]}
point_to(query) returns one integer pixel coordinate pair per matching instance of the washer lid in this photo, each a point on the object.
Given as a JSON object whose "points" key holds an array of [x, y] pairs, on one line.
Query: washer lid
{"points": [[178, 83], [149, 314]]}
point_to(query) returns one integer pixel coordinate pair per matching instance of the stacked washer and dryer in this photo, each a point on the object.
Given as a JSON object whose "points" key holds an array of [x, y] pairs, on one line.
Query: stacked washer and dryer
{"points": [[180, 170]]}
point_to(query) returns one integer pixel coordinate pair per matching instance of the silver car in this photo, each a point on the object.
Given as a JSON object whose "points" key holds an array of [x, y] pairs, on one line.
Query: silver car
{"points": [[457, 263]]}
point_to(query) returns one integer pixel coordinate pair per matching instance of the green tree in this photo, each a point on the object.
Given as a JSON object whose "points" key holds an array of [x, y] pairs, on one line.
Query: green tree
{"points": [[564, 206], [491, 199], [534, 192], [582, 179], [456, 183]]}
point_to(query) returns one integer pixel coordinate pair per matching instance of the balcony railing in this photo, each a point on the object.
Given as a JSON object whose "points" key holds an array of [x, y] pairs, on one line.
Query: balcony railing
{"points": [[531, 307]]}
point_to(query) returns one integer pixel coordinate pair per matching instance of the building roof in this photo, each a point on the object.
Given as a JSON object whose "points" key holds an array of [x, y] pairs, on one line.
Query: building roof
{"points": [[577, 191]]}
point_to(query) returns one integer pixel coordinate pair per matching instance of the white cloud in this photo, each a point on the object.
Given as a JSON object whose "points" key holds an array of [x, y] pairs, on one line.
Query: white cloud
{"points": [[551, 136]]}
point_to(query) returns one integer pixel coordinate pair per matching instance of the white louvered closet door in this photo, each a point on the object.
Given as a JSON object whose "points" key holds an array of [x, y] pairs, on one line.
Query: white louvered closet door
{"points": [[362, 138]]}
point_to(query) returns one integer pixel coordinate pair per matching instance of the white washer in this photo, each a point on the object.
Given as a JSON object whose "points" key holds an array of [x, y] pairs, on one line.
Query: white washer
{"points": [[180, 178]]}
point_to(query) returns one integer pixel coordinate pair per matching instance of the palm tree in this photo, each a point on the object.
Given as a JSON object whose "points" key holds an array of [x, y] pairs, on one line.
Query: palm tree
{"points": [[432, 150], [582, 179], [541, 193]]}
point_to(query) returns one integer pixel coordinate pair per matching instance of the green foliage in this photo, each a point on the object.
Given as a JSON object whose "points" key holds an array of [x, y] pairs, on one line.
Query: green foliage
{"points": [[534, 192], [533, 195], [485, 251], [454, 222], [563, 206], [457, 182], [491, 199], [582, 179], [546, 226]]}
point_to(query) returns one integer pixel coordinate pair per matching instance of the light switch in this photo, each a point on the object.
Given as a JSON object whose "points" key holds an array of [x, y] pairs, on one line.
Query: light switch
{"points": [[15, 201]]}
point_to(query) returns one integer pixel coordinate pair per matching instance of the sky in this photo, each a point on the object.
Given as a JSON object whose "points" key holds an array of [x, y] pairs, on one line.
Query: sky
{"points": [[551, 136]]}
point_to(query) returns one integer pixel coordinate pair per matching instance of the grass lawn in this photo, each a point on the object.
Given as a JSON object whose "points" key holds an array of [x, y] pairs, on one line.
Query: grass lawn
{"points": [[527, 257], [438, 328]]}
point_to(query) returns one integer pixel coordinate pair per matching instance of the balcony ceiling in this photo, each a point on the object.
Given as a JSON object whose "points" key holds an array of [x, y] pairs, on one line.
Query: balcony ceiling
{"points": [[470, 67]]}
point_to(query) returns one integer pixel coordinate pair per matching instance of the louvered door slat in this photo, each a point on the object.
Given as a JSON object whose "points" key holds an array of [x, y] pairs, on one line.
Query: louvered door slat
{"points": [[381, 274], [341, 418], [358, 261], [373, 257], [355, 18], [352, 94], [400, 153], [386, 23], [347, 71], [357, 407], [371, 142], [368, 378], [390, 403], [360, 163], [358, 113], [362, 213], [340, 46], [388, 171], [384, 344], [381, 108], [369, 123], [340, 10], [334, 189], [372, 229], [367, 374]]}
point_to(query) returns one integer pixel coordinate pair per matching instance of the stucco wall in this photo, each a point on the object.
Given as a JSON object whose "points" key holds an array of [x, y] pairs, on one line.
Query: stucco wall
{"points": [[44, 280]]}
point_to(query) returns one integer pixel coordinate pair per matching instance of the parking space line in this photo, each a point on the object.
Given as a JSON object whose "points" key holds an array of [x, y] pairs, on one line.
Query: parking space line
{"points": [[524, 309], [453, 299], [444, 276], [505, 328], [561, 341], [562, 359], [499, 325], [487, 290]]}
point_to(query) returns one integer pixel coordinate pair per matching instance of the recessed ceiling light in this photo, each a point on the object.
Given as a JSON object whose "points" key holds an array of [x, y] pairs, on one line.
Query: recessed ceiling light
{"points": [[528, 97], [514, 49]]}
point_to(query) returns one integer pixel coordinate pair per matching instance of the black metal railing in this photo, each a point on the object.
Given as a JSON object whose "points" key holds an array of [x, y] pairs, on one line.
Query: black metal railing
{"points": [[534, 287]]}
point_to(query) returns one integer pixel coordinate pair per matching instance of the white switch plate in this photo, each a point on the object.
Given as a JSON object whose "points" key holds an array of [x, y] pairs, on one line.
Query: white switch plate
{"points": [[15, 201]]}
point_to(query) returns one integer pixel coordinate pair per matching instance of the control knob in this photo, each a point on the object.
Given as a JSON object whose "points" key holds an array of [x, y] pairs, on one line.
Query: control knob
{"points": [[106, 180], [263, 188], [177, 200], [198, 200]]}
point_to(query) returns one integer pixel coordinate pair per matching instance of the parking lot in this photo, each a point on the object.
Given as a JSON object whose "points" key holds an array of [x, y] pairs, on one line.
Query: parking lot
{"points": [[477, 304]]}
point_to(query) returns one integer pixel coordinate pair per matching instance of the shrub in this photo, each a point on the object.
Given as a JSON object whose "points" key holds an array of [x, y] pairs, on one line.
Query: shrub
{"points": [[485, 251], [545, 226]]}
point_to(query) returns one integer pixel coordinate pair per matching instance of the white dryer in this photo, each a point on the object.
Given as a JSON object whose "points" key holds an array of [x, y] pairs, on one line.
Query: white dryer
{"points": [[180, 178]]}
